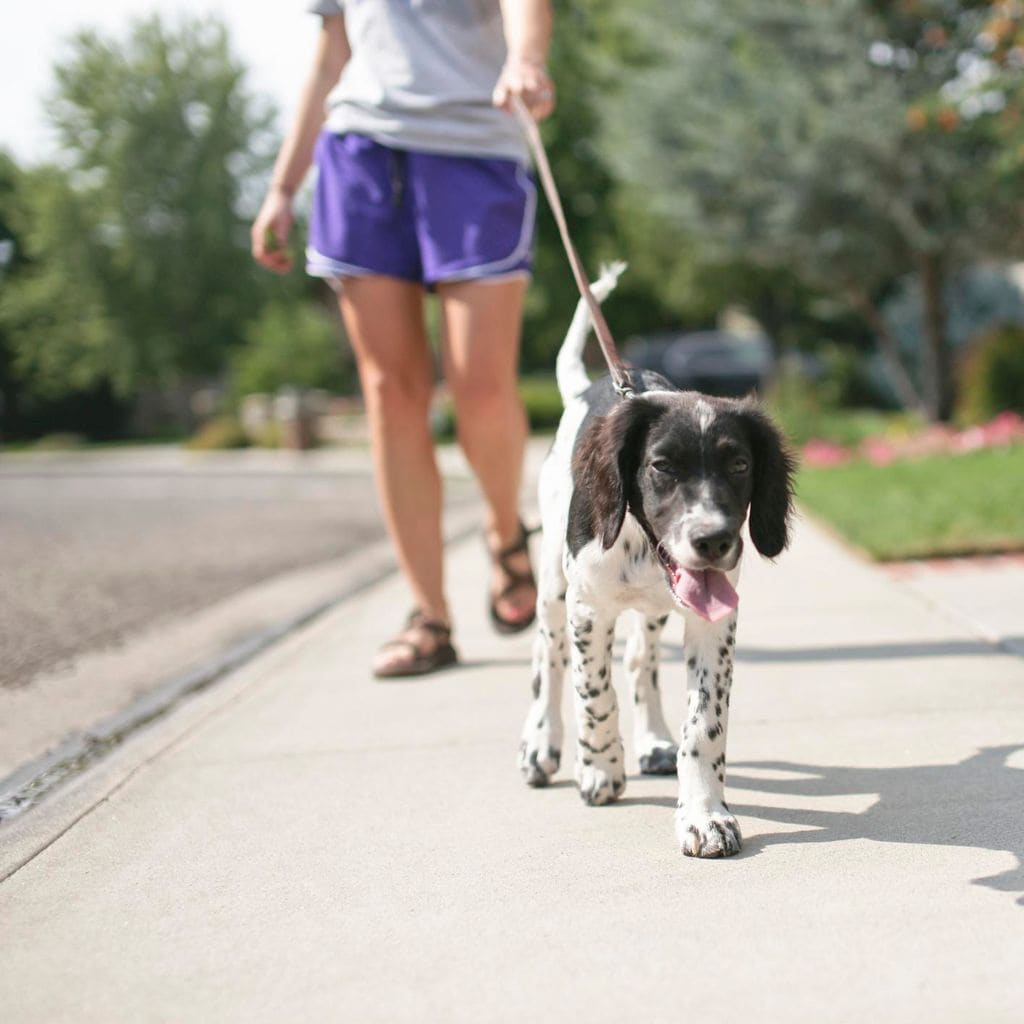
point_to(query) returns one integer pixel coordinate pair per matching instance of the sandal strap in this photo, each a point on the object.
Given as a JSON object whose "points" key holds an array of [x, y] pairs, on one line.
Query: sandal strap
{"points": [[516, 577], [521, 545], [418, 620]]}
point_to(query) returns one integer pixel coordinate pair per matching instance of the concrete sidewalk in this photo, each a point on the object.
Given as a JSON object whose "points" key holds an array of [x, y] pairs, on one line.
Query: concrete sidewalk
{"points": [[303, 844]]}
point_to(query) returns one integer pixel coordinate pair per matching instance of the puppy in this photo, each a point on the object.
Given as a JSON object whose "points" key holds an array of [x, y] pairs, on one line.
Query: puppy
{"points": [[642, 501]]}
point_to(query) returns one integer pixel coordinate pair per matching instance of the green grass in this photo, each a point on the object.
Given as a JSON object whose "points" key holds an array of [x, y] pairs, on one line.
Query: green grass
{"points": [[941, 505]]}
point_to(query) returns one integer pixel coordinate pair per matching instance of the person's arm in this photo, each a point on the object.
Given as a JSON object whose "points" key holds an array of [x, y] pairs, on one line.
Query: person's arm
{"points": [[273, 224], [527, 35]]}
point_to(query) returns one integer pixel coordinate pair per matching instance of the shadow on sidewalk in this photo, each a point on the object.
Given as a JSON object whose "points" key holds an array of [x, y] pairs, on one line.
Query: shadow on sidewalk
{"points": [[860, 652], [978, 803]]}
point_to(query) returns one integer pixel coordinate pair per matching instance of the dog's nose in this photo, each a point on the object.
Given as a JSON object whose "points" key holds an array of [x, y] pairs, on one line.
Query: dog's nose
{"points": [[713, 546]]}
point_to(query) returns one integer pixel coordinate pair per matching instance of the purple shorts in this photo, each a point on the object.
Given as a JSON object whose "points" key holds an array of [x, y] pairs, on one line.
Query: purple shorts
{"points": [[424, 217]]}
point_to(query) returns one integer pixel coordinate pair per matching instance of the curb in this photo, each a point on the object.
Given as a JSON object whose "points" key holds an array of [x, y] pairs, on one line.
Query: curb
{"points": [[30, 784]]}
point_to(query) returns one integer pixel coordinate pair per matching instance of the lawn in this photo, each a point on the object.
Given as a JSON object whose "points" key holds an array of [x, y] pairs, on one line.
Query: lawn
{"points": [[939, 505]]}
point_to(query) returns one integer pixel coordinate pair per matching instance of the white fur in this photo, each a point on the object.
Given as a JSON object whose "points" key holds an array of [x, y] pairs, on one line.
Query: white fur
{"points": [[705, 415], [579, 601]]}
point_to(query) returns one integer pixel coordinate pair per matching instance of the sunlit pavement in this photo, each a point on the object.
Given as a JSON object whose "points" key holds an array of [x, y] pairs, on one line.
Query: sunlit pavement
{"points": [[304, 843], [986, 591]]}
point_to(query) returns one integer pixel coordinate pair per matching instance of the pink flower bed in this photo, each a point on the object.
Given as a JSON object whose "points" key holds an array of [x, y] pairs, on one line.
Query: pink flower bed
{"points": [[1007, 428]]}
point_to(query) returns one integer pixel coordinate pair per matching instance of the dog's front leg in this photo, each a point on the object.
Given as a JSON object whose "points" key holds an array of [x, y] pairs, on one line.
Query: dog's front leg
{"points": [[541, 747], [600, 768], [655, 748], [704, 824]]}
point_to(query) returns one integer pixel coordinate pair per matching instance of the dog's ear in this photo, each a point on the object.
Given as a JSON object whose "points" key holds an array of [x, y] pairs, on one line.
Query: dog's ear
{"points": [[771, 503], [606, 462]]}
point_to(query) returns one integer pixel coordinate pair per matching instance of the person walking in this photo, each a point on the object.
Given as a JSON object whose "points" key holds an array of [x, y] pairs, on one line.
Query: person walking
{"points": [[423, 187]]}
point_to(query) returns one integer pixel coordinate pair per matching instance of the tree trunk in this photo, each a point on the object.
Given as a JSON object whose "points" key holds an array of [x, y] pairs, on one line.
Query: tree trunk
{"points": [[935, 361], [902, 382]]}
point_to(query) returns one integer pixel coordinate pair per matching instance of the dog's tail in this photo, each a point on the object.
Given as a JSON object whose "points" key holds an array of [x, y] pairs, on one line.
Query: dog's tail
{"points": [[569, 370]]}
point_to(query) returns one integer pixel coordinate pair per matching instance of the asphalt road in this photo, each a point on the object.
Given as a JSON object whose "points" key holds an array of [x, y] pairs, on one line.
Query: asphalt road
{"points": [[97, 547]]}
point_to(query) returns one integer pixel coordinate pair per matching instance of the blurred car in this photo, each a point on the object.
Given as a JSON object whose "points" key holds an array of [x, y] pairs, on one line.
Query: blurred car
{"points": [[715, 362]]}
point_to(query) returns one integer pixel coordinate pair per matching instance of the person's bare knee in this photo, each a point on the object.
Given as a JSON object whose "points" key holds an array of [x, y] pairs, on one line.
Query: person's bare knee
{"points": [[396, 393]]}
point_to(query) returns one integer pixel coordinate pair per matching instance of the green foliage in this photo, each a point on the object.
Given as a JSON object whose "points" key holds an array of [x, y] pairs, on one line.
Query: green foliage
{"points": [[799, 137], [291, 343], [992, 375], [10, 176], [542, 401], [219, 432], [58, 443], [53, 310], [942, 505], [138, 268], [540, 397], [268, 435], [804, 412], [583, 181], [845, 380]]}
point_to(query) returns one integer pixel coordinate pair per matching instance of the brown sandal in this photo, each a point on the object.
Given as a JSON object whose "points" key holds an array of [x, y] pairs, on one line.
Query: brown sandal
{"points": [[516, 579], [410, 658]]}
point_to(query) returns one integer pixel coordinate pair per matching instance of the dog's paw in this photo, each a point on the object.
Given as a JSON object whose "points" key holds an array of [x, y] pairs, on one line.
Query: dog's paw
{"points": [[657, 756], [538, 762], [601, 778], [714, 833]]}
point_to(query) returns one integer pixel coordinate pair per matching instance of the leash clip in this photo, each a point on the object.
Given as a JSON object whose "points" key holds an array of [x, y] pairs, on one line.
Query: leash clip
{"points": [[624, 389]]}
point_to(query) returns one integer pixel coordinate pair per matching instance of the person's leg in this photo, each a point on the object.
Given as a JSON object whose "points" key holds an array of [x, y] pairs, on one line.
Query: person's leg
{"points": [[384, 321], [481, 355]]}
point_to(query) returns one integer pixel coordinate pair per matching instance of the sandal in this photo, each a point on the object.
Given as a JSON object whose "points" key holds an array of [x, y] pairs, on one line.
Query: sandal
{"points": [[516, 579], [406, 654]]}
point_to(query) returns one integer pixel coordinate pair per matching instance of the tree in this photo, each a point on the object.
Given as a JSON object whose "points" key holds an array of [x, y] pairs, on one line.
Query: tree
{"points": [[583, 181], [138, 244], [296, 344], [851, 142], [11, 258]]}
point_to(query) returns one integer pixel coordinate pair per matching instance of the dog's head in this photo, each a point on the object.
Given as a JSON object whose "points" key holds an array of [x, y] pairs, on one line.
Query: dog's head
{"points": [[690, 468]]}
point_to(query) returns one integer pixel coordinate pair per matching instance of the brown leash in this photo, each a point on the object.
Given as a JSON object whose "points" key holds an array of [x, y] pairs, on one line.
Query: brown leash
{"points": [[619, 373]]}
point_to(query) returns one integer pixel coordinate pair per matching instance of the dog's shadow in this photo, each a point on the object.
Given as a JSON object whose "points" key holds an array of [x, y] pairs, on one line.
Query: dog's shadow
{"points": [[978, 803]]}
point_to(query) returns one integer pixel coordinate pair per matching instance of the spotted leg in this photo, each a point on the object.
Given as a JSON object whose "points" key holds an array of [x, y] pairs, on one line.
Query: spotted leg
{"points": [[600, 768], [704, 824], [655, 748], [541, 747]]}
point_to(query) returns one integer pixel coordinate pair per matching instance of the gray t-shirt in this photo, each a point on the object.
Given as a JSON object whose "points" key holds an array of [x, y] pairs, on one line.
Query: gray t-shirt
{"points": [[421, 76]]}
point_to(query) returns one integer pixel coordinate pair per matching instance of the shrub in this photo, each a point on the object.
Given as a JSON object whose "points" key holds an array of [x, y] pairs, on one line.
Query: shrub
{"points": [[542, 401], [268, 435], [806, 411], [64, 441], [219, 432], [540, 397], [846, 380], [992, 375], [291, 344]]}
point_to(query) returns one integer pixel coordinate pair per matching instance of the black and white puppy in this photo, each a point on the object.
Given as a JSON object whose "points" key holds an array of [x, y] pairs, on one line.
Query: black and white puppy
{"points": [[642, 502]]}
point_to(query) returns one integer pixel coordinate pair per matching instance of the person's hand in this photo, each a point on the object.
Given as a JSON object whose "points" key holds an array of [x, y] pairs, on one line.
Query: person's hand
{"points": [[529, 81], [270, 232]]}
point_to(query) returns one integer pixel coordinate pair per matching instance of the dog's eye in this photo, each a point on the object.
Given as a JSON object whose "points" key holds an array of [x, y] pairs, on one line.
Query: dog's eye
{"points": [[739, 465], [662, 466]]}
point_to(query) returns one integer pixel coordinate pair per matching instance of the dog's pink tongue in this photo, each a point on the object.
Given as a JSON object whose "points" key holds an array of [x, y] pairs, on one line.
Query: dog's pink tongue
{"points": [[707, 592]]}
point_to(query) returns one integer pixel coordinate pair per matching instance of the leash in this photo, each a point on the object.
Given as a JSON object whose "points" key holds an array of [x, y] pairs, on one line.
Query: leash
{"points": [[620, 375]]}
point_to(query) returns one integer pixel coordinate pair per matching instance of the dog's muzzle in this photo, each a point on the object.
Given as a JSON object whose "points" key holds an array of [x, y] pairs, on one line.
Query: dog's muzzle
{"points": [[706, 592]]}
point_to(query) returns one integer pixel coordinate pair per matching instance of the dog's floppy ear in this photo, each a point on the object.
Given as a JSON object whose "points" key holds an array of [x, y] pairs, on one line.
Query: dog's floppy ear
{"points": [[771, 503], [606, 462]]}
